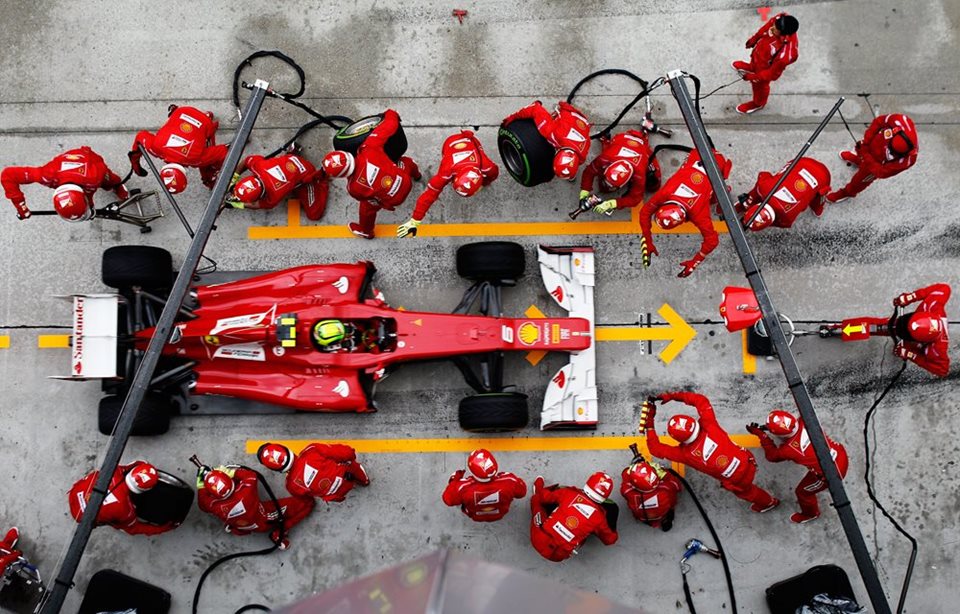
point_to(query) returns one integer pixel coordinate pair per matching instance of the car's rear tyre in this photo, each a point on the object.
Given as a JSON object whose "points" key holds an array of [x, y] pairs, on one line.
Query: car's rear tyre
{"points": [[124, 266], [527, 156], [152, 419], [349, 138], [491, 261], [169, 501], [494, 413]]}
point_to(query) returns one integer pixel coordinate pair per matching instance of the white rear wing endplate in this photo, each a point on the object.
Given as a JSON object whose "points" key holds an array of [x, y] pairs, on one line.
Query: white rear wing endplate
{"points": [[93, 352]]}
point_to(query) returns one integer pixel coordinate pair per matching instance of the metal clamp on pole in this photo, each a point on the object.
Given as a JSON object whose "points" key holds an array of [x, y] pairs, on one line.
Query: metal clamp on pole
{"points": [[54, 598], [785, 355]]}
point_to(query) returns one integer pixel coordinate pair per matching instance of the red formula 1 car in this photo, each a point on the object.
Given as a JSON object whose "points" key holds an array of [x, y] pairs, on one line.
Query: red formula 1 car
{"points": [[253, 338]]}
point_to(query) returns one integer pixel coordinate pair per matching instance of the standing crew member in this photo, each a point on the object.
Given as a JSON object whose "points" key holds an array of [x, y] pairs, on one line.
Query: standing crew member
{"points": [[563, 517], [372, 177], [463, 162], [889, 147], [625, 162], [230, 493], [706, 447], [686, 196], [8, 550], [805, 186], [325, 471], [796, 448], [486, 495], [76, 175], [118, 509], [187, 139], [273, 180], [651, 493], [774, 48], [567, 129]]}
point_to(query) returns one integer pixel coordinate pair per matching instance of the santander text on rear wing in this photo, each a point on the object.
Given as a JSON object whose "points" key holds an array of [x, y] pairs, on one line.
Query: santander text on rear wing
{"points": [[94, 343]]}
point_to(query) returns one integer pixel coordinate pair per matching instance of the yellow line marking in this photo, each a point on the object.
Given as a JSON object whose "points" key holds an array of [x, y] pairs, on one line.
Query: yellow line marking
{"points": [[749, 360], [294, 230], [498, 444], [678, 333], [47, 342], [4, 342]]}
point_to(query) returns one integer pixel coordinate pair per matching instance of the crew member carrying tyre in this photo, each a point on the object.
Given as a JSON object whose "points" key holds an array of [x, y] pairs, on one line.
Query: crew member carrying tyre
{"points": [[373, 178], [231, 493], [686, 197], [566, 128], [324, 471], [626, 162], [187, 139], [651, 493], [706, 447], [119, 510], [486, 494], [273, 180], [774, 48], [806, 186], [888, 147], [563, 517], [462, 162], [8, 550], [795, 447], [76, 175]]}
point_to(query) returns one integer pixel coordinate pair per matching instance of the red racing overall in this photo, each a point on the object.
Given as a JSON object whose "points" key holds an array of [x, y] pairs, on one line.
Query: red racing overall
{"points": [[484, 501], [805, 186], [187, 138], [566, 128], [651, 507], [288, 174], [770, 56], [575, 517], [875, 161], [243, 512], [325, 471], [632, 147], [461, 151], [118, 510]]}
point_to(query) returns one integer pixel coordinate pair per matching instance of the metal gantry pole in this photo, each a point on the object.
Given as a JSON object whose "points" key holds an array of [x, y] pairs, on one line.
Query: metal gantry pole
{"points": [[788, 362], [53, 599]]}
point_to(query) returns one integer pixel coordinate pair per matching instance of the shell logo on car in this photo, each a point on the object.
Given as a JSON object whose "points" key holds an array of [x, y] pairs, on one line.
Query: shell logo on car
{"points": [[528, 333]]}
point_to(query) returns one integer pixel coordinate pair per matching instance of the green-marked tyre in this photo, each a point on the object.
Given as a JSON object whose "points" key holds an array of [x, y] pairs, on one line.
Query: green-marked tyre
{"points": [[527, 156]]}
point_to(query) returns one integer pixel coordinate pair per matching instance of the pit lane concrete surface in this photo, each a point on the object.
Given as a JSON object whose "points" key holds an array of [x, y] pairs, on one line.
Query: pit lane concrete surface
{"points": [[95, 73]]}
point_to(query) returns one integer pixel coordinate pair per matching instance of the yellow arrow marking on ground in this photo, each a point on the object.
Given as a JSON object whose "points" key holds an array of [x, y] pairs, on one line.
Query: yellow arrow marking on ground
{"points": [[47, 342], [850, 328], [4, 342], [678, 333], [294, 230]]}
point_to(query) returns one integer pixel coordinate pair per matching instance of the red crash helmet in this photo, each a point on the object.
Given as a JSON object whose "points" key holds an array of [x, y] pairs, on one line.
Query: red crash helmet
{"points": [[618, 174], [765, 219], [275, 456], [468, 183], [141, 478], [248, 190], [782, 423], [683, 428], [643, 477], [174, 178], [925, 328], [598, 487], [670, 215], [72, 203], [900, 144], [482, 464], [338, 163], [566, 163], [218, 483]]}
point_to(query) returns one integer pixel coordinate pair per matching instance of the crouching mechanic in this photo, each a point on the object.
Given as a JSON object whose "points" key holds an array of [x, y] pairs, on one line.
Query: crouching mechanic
{"points": [[375, 180], [118, 509], [273, 180], [774, 48], [462, 162], [563, 517], [706, 447], [231, 493], [806, 186], [651, 493], [486, 495], [187, 139], [626, 162], [76, 175], [888, 147], [686, 197], [567, 129], [324, 471], [795, 447]]}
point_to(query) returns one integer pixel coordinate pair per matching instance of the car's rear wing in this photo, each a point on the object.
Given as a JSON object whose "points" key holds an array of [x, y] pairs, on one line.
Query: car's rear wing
{"points": [[94, 342], [571, 397]]}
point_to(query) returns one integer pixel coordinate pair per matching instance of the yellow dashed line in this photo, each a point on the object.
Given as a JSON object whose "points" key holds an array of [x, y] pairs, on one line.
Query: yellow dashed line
{"points": [[47, 342], [749, 360]]}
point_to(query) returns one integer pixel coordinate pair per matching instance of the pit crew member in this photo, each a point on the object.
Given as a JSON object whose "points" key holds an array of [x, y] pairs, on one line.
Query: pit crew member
{"points": [[118, 509], [804, 187], [566, 128], [651, 493], [273, 180], [774, 48], [563, 517], [888, 147], [486, 494], [626, 162], [324, 471]]}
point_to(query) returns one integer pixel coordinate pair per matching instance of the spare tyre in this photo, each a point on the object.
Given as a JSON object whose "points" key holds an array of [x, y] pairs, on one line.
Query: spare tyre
{"points": [[491, 261], [124, 266], [169, 501], [527, 155], [152, 419], [494, 412], [349, 138]]}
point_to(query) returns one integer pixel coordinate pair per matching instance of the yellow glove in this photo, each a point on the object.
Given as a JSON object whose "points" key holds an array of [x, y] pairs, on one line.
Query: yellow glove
{"points": [[607, 207], [584, 194], [230, 470], [408, 229]]}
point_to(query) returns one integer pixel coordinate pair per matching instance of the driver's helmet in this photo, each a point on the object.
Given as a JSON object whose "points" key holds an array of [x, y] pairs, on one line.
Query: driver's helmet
{"points": [[329, 332]]}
